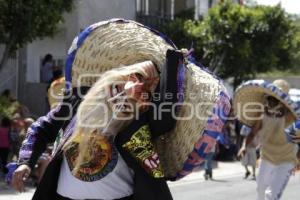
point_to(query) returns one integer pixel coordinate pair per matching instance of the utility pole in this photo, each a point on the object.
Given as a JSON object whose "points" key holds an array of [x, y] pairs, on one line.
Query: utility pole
{"points": [[197, 4], [147, 7], [172, 9]]}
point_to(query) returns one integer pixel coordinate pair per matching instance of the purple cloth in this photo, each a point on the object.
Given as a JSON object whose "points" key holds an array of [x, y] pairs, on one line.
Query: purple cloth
{"points": [[11, 169]]}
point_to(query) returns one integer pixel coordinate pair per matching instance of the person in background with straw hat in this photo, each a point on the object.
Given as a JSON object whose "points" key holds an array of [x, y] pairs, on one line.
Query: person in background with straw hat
{"points": [[278, 155]]}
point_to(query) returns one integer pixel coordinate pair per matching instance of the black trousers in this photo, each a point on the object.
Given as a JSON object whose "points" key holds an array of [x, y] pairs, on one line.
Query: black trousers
{"points": [[3, 157], [59, 197]]}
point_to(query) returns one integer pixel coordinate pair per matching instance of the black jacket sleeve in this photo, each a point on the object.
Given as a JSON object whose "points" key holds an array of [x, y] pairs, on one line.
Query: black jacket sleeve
{"points": [[45, 131]]}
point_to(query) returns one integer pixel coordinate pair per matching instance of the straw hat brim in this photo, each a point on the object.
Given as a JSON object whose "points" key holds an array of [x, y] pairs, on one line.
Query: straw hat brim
{"points": [[118, 42], [249, 100], [190, 137]]}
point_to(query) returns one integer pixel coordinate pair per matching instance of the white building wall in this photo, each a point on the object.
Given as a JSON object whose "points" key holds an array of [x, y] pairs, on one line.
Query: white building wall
{"points": [[203, 7], [92, 11], [8, 75], [190, 3], [86, 12], [38, 49]]}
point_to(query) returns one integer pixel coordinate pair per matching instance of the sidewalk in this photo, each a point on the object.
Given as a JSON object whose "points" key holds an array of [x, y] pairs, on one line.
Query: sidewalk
{"points": [[220, 170], [227, 175]]}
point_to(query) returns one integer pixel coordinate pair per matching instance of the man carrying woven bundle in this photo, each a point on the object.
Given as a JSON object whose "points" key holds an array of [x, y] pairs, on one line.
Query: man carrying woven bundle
{"points": [[268, 110], [125, 128]]}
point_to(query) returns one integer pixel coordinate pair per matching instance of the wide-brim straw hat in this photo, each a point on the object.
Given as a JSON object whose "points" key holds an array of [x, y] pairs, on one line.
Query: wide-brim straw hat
{"points": [[119, 42], [249, 100]]}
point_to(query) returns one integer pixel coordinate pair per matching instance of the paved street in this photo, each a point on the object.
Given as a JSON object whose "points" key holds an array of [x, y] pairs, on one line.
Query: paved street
{"points": [[228, 185]]}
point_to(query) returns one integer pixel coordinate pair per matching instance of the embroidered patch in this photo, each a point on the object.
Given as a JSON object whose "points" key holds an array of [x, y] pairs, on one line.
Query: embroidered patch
{"points": [[100, 159], [140, 147]]}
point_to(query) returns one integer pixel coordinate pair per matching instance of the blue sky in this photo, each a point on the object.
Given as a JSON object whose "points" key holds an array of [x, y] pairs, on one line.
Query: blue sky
{"points": [[291, 6]]}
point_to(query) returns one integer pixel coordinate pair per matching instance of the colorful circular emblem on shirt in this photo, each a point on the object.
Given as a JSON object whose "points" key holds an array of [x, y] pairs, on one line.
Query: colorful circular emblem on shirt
{"points": [[99, 160]]}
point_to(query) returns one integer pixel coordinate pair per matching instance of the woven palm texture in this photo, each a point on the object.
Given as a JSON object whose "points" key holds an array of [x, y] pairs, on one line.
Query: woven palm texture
{"points": [[118, 42]]}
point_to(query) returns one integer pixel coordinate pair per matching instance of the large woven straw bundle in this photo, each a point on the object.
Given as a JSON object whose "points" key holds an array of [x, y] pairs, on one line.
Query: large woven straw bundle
{"points": [[115, 43], [201, 94]]}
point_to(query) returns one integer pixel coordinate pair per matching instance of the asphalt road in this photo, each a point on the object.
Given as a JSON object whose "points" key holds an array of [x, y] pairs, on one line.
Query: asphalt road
{"points": [[228, 188], [228, 185]]}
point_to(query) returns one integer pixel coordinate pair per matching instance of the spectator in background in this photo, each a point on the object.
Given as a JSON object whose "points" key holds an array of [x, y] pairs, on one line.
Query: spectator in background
{"points": [[7, 95], [4, 143], [42, 162], [250, 157], [15, 142], [208, 163], [227, 149], [210, 156], [47, 68]]}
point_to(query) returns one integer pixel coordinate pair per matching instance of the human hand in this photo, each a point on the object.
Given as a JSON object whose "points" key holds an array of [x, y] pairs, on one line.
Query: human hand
{"points": [[152, 161], [241, 153], [20, 175]]}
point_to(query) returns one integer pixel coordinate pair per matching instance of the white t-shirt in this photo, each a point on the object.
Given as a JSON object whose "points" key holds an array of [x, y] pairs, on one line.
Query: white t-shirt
{"points": [[115, 185]]}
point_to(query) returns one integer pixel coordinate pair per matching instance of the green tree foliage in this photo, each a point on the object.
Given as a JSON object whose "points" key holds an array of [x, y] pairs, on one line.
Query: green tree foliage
{"points": [[296, 45], [239, 41], [8, 108], [22, 21]]}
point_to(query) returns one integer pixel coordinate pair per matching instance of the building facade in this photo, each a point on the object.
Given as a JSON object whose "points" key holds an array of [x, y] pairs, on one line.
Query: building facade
{"points": [[29, 89], [24, 72]]}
